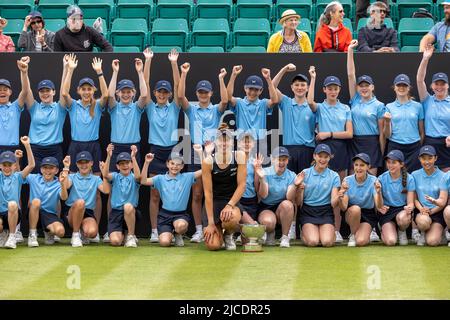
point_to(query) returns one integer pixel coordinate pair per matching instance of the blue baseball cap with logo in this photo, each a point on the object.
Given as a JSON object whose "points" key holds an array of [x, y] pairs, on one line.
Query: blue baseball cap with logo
{"points": [[6, 83], [322, 148], [395, 155], [46, 84], [84, 156], [402, 79], [123, 156], [204, 85], [88, 81], [50, 161], [35, 14], [429, 150], [440, 76], [7, 157], [300, 77], [254, 82], [332, 80], [280, 152], [365, 78], [125, 83], [362, 156], [163, 85]]}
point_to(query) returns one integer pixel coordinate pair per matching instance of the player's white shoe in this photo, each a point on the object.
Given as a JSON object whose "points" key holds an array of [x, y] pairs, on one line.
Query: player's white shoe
{"points": [[96, 239], [56, 238], [197, 237], [339, 238], [11, 242], [284, 241], [292, 234], [106, 238], [49, 238], [415, 235], [229, 242], [402, 238], [374, 236], [421, 239], [32, 240], [130, 242], [351, 241], [154, 237], [179, 242], [19, 236], [76, 240]]}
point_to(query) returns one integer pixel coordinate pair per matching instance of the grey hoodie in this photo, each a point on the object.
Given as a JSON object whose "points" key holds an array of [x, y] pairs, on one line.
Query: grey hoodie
{"points": [[27, 41]]}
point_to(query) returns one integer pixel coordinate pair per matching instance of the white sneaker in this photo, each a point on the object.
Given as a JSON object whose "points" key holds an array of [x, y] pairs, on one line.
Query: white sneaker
{"points": [[135, 238], [179, 242], [292, 234], [402, 238], [76, 241], [197, 237], [284, 241], [351, 241], [270, 239], [106, 238], [11, 242], [56, 238], [96, 239], [229, 242], [3, 238], [415, 235], [154, 237], [374, 236], [84, 239], [130, 242], [421, 240], [447, 235], [32, 240], [19, 236], [239, 239], [339, 238], [49, 238]]}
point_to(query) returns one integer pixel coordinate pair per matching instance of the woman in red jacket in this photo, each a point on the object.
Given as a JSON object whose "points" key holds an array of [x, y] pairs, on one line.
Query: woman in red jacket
{"points": [[331, 34]]}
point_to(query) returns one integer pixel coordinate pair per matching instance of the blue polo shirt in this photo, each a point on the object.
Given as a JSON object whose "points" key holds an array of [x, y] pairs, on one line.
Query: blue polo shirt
{"points": [[251, 116], [163, 124], [437, 116], [47, 122], [10, 189], [84, 127], [278, 185], [441, 32], [203, 122], [361, 194], [365, 115], [392, 189], [125, 189], [445, 182], [299, 122], [10, 123], [405, 121], [332, 118], [48, 192], [427, 185], [318, 186], [84, 187], [174, 191], [125, 123], [250, 191]]}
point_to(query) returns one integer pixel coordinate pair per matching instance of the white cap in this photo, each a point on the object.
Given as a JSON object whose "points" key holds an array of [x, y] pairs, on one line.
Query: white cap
{"points": [[445, 3]]}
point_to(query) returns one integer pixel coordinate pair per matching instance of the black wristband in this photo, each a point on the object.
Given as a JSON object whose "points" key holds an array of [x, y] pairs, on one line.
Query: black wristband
{"points": [[100, 75]]}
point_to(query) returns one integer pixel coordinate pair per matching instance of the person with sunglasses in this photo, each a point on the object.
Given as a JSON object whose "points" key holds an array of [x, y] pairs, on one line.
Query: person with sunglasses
{"points": [[37, 39]]}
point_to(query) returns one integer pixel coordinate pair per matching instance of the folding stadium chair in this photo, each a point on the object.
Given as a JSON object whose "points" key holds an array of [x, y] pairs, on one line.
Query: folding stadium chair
{"points": [[254, 9], [207, 49], [97, 8], [129, 32], [135, 9], [126, 49], [15, 9], [175, 9], [406, 8], [169, 32], [164, 49], [210, 32], [54, 24], [302, 7], [251, 32], [214, 9], [411, 30], [54, 9]]}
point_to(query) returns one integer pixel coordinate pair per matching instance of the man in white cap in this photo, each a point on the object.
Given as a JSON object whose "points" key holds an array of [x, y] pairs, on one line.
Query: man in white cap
{"points": [[440, 33]]}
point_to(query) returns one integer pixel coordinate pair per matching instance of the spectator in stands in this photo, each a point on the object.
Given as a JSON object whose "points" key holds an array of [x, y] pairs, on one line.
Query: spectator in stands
{"points": [[440, 33], [76, 36], [331, 35], [289, 39], [6, 43], [37, 39], [375, 36], [361, 9]]}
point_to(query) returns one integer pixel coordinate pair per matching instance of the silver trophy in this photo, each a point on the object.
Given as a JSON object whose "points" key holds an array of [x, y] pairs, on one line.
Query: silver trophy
{"points": [[254, 233]]}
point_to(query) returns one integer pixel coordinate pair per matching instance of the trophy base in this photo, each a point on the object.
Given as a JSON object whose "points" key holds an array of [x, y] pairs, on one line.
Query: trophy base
{"points": [[252, 248]]}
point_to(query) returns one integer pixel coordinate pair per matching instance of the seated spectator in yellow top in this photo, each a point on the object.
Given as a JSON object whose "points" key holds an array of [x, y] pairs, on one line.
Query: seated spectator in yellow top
{"points": [[289, 39]]}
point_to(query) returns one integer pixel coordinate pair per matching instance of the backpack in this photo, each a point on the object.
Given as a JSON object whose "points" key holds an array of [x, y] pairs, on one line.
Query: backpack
{"points": [[422, 13]]}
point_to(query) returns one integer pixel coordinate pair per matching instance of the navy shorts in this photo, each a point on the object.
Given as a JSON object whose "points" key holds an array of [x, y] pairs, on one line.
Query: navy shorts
{"points": [[390, 215], [4, 217], [410, 151], [166, 219], [89, 213], [195, 163], [272, 207], [48, 218], [300, 157], [123, 147], [339, 149], [218, 205], [116, 220], [158, 165], [369, 145], [442, 152], [317, 215], [369, 216], [40, 152], [437, 217], [94, 149], [250, 205]]}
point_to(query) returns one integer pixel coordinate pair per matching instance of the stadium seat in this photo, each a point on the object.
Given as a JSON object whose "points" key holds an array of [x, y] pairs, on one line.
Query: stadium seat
{"points": [[248, 49], [254, 9], [126, 49], [363, 21], [135, 9], [207, 49], [304, 25], [410, 49], [214, 9], [348, 24], [210, 32], [405, 8], [439, 10], [163, 49], [129, 32], [97, 8], [302, 7], [90, 23], [411, 30], [54, 24], [15, 9], [175, 9], [251, 32], [169, 32], [14, 29], [346, 4], [54, 9]]}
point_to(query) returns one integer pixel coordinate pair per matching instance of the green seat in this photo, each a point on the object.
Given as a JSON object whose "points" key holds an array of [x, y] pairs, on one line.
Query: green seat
{"points": [[207, 49], [164, 49], [97, 8], [129, 32], [126, 49], [304, 25], [302, 7], [135, 9], [346, 4], [169, 33], [251, 32], [54, 24], [54, 9], [90, 23], [210, 32], [174, 9], [214, 9], [248, 49], [363, 22], [14, 29], [254, 9], [348, 24], [439, 10], [16, 9], [411, 30], [405, 8], [410, 49]]}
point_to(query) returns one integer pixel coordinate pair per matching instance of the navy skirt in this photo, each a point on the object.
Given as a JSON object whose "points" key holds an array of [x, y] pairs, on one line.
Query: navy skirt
{"points": [[300, 157], [390, 215], [158, 165], [437, 217], [341, 159], [442, 152], [250, 205], [369, 145], [410, 151], [316, 215]]}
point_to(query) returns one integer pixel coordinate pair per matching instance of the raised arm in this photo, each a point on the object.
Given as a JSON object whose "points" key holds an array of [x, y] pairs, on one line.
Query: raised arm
{"points": [[387, 124], [65, 98], [184, 103], [230, 87], [273, 95], [105, 172], [422, 72], [263, 186], [223, 91], [105, 187], [342, 195], [113, 84], [136, 169], [173, 58], [26, 94], [30, 166], [64, 73], [97, 66], [351, 72], [63, 176], [292, 191], [66, 162], [276, 80], [310, 97], [378, 197], [148, 54], [145, 180], [143, 94]]}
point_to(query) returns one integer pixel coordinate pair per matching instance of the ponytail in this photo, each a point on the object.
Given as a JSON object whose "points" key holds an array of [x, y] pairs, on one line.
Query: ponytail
{"points": [[325, 17], [404, 179]]}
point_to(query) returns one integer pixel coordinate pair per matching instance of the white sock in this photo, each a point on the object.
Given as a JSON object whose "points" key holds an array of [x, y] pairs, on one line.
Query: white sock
{"points": [[75, 234], [154, 230], [33, 231], [199, 228], [18, 227], [293, 225]]}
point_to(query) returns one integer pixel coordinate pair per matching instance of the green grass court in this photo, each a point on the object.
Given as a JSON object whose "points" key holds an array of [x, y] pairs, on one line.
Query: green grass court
{"points": [[151, 272]]}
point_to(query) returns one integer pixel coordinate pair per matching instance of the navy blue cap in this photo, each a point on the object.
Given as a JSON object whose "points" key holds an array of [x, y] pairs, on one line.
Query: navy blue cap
{"points": [[4, 82], [440, 76], [176, 156], [88, 81], [163, 84], [35, 14], [300, 77], [123, 156], [427, 150], [125, 83], [50, 161], [362, 156], [365, 78], [254, 82], [332, 80], [322, 148], [402, 79], [84, 156], [280, 152], [204, 85], [46, 84], [74, 10], [7, 156], [395, 155]]}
